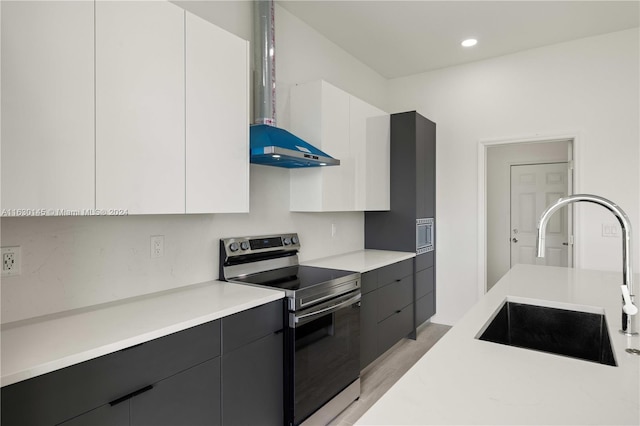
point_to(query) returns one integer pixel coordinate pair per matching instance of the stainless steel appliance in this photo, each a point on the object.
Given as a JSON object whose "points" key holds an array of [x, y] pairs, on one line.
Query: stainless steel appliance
{"points": [[271, 145], [424, 235], [322, 353]]}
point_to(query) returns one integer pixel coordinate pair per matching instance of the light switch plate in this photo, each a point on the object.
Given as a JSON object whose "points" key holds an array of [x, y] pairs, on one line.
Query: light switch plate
{"points": [[610, 230]]}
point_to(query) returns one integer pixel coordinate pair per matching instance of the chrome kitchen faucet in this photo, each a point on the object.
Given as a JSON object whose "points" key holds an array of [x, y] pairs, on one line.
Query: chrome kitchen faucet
{"points": [[629, 310]]}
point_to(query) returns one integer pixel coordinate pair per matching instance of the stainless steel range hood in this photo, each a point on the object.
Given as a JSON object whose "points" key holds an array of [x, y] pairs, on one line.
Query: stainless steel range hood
{"points": [[270, 145]]}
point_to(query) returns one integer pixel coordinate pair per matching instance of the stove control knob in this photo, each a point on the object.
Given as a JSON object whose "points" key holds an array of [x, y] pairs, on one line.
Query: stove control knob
{"points": [[286, 241], [244, 245], [295, 240], [234, 246]]}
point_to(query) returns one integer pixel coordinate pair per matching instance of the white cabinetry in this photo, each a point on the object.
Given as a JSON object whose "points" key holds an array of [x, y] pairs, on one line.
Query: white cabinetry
{"points": [[370, 141], [140, 107], [47, 106], [217, 114], [135, 106], [350, 130]]}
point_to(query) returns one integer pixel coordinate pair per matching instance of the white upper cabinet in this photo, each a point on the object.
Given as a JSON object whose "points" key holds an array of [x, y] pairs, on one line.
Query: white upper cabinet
{"points": [[47, 106], [133, 106], [370, 141], [217, 119], [140, 107], [350, 130]]}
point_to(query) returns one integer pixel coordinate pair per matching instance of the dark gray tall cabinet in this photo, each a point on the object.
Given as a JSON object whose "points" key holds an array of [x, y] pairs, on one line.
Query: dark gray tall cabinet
{"points": [[413, 196]]}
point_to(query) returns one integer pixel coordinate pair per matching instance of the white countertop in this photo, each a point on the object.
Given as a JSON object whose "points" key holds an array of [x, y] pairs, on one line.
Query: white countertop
{"points": [[360, 261], [41, 345], [462, 380]]}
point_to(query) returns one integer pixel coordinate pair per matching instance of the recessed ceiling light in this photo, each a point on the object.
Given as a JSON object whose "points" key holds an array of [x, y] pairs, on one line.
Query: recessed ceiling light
{"points": [[469, 42], [275, 156]]}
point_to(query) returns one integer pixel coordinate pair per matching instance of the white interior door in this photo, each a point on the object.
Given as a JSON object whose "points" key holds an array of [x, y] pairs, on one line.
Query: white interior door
{"points": [[533, 188]]}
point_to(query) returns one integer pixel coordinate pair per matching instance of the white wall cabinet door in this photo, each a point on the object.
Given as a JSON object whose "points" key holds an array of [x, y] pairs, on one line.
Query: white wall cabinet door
{"points": [[140, 107], [370, 141], [47, 106], [217, 119], [320, 116], [350, 130]]}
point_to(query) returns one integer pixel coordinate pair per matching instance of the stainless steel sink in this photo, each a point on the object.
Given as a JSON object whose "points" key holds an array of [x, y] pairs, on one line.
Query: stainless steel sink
{"points": [[575, 334]]}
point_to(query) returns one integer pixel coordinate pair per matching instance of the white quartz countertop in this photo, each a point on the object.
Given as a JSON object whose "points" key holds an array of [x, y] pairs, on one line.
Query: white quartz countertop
{"points": [[41, 345], [360, 261], [462, 380]]}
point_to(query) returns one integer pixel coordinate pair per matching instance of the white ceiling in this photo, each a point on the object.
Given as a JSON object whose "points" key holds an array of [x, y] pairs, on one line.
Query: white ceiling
{"points": [[399, 38]]}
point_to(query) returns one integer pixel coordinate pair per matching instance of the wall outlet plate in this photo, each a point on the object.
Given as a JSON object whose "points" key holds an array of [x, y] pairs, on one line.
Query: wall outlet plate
{"points": [[11, 261], [157, 246]]}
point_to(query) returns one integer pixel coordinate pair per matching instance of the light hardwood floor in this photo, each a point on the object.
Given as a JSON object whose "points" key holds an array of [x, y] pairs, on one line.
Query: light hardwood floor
{"points": [[378, 377]]}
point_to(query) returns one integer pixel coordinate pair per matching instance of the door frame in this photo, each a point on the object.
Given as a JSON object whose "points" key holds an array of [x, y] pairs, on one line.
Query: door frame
{"points": [[483, 144]]}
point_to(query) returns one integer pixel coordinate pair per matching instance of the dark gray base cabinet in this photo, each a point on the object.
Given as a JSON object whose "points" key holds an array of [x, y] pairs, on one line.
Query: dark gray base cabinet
{"points": [[187, 378], [191, 397], [253, 367], [425, 287], [387, 310]]}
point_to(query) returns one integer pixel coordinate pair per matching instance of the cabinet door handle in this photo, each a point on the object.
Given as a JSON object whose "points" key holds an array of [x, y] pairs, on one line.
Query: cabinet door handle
{"points": [[131, 395], [398, 280], [397, 312]]}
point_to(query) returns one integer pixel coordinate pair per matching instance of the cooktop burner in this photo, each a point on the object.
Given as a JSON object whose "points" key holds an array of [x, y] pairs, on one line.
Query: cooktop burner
{"points": [[294, 277]]}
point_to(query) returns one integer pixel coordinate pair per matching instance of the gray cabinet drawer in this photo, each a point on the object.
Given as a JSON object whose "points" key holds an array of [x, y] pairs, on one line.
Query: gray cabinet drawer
{"points": [[368, 329], [425, 308], [246, 326], [424, 282], [425, 260], [191, 397], [394, 272], [395, 328], [60, 395], [369, 281], [252, 383], [395, 296]]}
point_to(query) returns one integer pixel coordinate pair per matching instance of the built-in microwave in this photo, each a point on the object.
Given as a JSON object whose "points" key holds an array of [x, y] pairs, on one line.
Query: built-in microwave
{"points": [[424, 235]]}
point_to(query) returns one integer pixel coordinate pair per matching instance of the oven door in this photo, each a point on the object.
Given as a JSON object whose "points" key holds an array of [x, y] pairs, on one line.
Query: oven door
{"points": [[327, 352]]}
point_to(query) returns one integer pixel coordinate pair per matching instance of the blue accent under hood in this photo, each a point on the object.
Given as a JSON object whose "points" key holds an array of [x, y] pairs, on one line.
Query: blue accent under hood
{"points": [[272, 146]]}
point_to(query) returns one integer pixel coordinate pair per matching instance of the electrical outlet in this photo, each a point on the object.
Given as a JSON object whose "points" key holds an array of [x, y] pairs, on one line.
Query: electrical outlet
{"points": [[157, 246], [10, 261]]}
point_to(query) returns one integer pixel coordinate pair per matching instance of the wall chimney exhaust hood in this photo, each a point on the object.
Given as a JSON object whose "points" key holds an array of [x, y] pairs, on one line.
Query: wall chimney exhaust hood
{"points": [[270, 145]]}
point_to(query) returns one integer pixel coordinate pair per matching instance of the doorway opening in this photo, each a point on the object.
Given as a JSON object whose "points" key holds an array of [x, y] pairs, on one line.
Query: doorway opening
{"points": [[519, 179]]}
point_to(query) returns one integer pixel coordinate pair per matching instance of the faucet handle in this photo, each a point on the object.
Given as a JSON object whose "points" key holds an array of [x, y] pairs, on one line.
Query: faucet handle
{"points": [[629, 308]]}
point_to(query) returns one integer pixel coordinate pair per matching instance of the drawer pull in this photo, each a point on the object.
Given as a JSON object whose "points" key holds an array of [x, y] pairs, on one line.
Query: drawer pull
{"points": [[398, 280], [131, 395], [397, 312]]}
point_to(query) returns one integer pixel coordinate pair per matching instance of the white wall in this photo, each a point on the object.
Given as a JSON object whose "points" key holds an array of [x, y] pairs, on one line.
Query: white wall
{"points": [[588, 86], [499, 161], [72, 262]]}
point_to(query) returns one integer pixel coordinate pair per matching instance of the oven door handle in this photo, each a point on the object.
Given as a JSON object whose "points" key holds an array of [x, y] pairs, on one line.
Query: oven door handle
{"points": [[301, 319]]}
